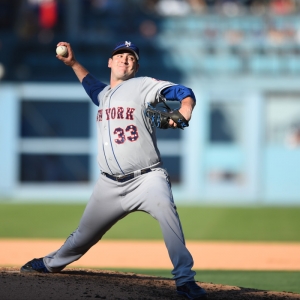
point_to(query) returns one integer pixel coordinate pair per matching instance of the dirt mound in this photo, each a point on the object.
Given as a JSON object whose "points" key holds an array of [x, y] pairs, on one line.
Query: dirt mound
{"points": [[79, 284]]}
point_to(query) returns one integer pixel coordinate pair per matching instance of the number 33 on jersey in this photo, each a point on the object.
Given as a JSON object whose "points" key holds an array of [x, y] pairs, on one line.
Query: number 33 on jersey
{"points": [[120, 113]]}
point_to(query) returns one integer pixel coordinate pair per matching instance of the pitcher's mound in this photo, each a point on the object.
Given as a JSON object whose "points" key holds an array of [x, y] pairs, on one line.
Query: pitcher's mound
{"points": [[80, 284]]}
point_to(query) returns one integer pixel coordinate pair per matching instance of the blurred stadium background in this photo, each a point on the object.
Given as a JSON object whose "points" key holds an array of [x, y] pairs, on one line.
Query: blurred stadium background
{"points": [[241, 58]]}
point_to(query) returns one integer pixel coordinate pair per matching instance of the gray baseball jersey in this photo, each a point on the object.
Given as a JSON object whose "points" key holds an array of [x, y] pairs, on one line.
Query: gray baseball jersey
{"points": [[126, 140], [128, 150]]}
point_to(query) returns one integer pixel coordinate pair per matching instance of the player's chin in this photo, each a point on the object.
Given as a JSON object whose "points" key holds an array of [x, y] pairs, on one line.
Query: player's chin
{"points": [[127, 75]]}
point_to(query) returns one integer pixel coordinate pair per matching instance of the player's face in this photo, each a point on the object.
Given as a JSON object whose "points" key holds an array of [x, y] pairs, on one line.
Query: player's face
{"points": [[123, 65]]}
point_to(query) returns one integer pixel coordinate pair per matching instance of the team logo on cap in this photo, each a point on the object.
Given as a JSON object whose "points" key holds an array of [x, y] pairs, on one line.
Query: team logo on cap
{"points": [[128, 44]]}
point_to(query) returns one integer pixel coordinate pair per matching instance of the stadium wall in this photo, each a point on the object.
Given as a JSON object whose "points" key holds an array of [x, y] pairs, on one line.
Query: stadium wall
{"points": [[242, 146]]}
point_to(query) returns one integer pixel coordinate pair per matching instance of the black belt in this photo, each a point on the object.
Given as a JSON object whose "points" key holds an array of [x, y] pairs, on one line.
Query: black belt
{"points": [[125, 177]]}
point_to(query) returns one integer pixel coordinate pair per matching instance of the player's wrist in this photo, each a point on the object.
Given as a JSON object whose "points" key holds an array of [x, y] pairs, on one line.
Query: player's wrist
{"points": [[74, 64]]}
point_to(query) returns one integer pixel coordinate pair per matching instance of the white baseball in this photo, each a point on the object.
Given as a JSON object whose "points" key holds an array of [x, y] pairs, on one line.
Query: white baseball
{"points": [[62, 50]]}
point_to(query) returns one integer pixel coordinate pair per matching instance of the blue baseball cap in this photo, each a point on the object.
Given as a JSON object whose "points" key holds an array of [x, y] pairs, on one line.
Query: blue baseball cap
{"points": [[127, 45]]}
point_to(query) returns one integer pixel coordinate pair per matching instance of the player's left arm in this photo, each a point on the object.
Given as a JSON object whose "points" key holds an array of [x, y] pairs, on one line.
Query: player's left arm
{"points": [[185, 96], [187, 106]]}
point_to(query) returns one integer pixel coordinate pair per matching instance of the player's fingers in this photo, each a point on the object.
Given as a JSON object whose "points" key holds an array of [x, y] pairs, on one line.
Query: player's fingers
{"points": [[63, 44], [62, 58], [70, 59], [172, 124], [68, 45], [70, 51]]}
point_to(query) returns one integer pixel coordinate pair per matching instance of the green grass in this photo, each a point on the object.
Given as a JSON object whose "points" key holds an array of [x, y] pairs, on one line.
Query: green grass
{"points": [[38, 220], [199, 223], [287, 281], [242, 224]]}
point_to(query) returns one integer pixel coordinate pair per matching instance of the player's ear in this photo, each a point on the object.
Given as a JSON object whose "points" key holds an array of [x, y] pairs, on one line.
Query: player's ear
{"points": [[137, 66], [109, 62]]}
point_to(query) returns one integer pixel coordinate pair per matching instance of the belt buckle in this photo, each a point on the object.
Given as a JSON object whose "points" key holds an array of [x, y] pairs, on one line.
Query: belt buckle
{"points": [[123, 178], [119, 179]]}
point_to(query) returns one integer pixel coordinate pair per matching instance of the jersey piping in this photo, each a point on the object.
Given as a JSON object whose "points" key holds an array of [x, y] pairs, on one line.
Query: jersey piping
{"points": [[110, 138]]}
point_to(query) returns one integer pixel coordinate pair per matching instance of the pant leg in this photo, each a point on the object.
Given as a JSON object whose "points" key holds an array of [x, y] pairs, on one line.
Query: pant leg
{"points": [[153, 194], [101, 213]]}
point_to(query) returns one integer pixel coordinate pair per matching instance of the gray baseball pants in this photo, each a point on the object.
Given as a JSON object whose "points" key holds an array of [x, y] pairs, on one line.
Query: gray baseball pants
{"points": [[110, 202]]}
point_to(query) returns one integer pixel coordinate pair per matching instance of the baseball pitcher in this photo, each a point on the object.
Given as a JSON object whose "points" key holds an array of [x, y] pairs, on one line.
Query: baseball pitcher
{"points": [[132, 177]]}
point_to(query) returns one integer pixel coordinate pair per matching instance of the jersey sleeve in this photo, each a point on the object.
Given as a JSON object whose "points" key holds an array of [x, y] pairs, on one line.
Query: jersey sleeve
{"points": [[93, 87], [177, 93], [151, 89]]}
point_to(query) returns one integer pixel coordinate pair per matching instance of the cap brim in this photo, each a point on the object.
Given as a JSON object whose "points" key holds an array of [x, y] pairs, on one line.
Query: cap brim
{"points": [[127, 49]]}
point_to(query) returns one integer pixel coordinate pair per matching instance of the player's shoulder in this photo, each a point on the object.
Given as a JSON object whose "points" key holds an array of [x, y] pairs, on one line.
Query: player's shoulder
{"points": [[136, 81], [105, 89], [149, 80]]}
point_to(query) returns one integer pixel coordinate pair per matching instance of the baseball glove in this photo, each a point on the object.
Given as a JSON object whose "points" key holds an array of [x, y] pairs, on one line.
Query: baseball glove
{"points": [[160, 118]]}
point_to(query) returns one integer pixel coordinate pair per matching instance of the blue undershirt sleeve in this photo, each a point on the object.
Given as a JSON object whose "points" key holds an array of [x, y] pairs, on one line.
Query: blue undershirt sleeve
{"points": [[177, 93], [93, 87]]}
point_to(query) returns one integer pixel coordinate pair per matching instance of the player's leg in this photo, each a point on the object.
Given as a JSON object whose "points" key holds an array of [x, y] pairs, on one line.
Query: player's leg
{"points": [[153, 195], [156, 198], [102, 211]]}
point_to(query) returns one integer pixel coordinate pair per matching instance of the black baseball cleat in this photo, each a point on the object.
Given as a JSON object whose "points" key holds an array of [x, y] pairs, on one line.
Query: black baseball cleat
{"points": [[35, 265], [192, 291]]}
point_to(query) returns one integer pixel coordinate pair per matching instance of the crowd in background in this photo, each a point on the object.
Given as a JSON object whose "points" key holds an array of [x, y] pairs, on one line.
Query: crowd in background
{"points": [[181, 7], [226, 7], [28, 18], [275, 32], [49, 13]]}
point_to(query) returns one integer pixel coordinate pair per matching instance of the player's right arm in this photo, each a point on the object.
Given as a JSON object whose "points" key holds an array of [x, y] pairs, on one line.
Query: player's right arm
{"points": [[91, 85], [71, 61]]}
